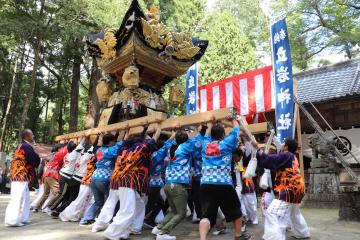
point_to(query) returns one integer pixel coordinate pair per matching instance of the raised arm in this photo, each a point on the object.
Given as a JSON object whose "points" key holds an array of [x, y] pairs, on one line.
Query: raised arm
{"points": [[232, 140], [126, 128], [269, 161], [157, 132], [117, 134], [209, 126]]}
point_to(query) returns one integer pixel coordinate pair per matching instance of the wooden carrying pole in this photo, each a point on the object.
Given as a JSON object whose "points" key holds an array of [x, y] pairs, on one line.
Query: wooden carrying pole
{"points": [[298, 131], [165, 124]]}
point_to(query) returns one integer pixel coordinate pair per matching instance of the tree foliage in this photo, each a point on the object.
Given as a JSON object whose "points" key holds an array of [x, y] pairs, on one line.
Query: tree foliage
{"points": [[44, 38], [321, 25], [230, 51]]}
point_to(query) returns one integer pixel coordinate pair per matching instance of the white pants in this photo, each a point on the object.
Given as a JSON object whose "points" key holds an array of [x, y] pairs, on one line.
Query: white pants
{"points": [[160, 216], [238, 192], [276, 220], [18, 209], [130, 216], [107, 211], [77, 208], [38, 196], [249, 206], [266, 199]]}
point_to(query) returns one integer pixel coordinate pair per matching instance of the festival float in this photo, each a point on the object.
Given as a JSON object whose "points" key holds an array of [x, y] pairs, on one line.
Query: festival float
{"points": [[142, 56]]}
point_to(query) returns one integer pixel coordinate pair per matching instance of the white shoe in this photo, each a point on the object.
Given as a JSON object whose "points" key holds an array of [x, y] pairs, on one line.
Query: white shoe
{"points": [[96, 228], [300, 237], [135, 232], [156, 231], [46, 210], [15, 225], [49, 212], [195, 219], [219, 231], [165, 237], [62, 218]]}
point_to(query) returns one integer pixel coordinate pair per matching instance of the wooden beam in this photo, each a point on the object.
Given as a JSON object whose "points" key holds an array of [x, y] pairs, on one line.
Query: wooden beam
{"points": [[166, 124], [112, 127], [188, 120], [257, 128]]}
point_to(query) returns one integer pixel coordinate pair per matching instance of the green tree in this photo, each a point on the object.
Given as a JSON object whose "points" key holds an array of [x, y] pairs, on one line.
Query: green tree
{"points": [[230, 51], [318, 25], [251, 19]]}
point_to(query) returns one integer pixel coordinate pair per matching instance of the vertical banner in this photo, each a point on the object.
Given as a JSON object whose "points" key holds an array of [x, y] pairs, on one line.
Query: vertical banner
{"points": [[191, 89], [283, 81]]}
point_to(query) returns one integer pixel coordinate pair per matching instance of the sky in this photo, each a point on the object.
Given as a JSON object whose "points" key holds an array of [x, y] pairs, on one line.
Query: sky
{"points": [[265, 58]]}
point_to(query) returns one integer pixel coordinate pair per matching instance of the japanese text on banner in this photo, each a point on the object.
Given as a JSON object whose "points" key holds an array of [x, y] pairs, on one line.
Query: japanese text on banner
{"points": [[191, 89], [283, 81]]}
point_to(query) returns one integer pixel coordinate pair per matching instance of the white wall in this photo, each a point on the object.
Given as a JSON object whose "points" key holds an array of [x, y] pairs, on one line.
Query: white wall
{"points": [[352, 134]]}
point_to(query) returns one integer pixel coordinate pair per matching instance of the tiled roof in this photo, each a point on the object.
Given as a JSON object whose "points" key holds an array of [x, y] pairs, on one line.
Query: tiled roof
{"points": [[329, 82]]}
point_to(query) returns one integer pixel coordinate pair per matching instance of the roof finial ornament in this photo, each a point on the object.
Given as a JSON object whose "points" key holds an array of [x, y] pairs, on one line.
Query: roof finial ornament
{"points": [[153, 13]]}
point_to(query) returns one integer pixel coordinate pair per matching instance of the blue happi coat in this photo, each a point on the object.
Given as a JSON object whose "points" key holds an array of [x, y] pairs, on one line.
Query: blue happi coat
{"points": [[105, 157], [217, 157], [158, 164], [179, 167]]}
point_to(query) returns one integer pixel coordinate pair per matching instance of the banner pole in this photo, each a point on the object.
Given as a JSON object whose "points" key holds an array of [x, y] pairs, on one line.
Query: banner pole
{"points": [[298, 131]]}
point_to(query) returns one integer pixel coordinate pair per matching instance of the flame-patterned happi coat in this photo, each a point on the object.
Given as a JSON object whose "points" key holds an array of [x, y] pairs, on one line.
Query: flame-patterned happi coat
{"points": [[90, 168], [25, 161], [289, 185], [132, 166]]}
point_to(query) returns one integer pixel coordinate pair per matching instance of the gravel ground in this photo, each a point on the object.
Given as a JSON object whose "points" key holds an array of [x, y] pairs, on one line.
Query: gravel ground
{"points": [[323, 224]]}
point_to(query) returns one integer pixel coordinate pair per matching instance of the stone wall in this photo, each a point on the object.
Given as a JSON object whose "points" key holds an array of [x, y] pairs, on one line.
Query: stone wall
{"points": [[323, 189], [349, 201]]}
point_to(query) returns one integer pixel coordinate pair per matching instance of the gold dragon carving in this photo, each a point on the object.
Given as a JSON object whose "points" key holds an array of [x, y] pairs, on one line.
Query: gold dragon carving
{"points": [[107, 46], [157, 35]]}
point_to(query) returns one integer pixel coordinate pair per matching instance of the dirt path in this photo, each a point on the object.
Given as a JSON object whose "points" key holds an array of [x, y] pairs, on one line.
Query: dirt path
{"points": [[323, 224]]}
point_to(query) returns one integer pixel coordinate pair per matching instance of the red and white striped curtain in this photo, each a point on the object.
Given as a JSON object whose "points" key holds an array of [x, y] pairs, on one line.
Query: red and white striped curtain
{"points": [[250, 93]]}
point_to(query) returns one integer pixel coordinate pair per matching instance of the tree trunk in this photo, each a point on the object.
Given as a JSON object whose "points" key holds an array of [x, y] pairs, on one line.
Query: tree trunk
{"points": [[74, 103], [30, 93], [56, 111], [60, 118], [92, 116], [47, 109], [8, 106]]}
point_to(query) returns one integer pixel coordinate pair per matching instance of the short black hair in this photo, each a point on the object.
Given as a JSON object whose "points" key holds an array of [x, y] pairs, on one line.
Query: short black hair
{"points": [[238, 151], [292, 145], [181, 136], [261, 137], [56, 148], [107, 138], [162, 139], [217, 132], [71, 146], [25, 132]]}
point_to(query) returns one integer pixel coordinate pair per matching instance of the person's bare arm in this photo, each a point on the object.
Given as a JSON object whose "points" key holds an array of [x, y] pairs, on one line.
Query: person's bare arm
{"points": [[210, 124], [127, 130], [157, 132], [173, 134], [235, 123], [209, 127]]}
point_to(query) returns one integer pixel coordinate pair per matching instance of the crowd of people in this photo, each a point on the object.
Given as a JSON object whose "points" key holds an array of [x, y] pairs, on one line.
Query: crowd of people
{"points": [[154, 179]]}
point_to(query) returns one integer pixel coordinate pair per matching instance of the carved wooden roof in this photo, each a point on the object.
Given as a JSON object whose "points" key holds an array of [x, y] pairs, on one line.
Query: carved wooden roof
{"points": [[132, 47]]}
